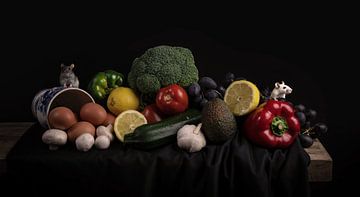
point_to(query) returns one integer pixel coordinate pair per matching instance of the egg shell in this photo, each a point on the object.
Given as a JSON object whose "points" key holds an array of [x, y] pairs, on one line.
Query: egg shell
{"points": [[110, 119], [80, 128], [93, 113], [61, 118]]}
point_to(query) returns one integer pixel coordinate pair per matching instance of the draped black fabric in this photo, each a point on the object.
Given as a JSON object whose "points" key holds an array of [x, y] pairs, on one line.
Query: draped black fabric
{"points": [[234, 168]]}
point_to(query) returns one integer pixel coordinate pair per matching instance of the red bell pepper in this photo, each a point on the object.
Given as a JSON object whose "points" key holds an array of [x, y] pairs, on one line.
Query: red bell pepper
{"points": [[152, 113], [172, 99], [272, 125]]}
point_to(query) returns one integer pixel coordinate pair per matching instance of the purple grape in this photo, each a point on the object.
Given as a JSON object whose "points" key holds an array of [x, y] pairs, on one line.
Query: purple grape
{"points": [[203, 102], [194, 89], [230, 76], [198, 98], [227, 82], [320, 129], [300, 108], [310, 114], [221, 90], [211, 94], [301, 117], [305, 140], [207, 83]]}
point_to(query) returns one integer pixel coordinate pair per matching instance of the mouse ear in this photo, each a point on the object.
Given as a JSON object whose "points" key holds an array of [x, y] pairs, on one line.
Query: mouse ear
{"points": [[282, 82], [277, 85], [72, 66]]}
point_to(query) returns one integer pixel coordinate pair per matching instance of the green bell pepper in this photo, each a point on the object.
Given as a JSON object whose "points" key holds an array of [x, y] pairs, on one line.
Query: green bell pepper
{"points": [[103, 82]]}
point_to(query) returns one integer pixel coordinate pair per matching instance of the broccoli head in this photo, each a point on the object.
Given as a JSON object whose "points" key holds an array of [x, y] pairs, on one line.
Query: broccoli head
{"points": [[148, 83], [161, 66]]}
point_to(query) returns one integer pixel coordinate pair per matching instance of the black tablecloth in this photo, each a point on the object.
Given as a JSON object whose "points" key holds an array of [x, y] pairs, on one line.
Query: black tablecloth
{"points": [[236, 167]]}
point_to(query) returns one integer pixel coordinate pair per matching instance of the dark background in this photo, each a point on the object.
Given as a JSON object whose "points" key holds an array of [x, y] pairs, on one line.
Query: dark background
{"points": [[310, 53]]}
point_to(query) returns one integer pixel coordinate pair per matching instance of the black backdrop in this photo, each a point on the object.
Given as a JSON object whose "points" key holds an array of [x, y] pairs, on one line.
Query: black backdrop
{"points": [[310, 54]]}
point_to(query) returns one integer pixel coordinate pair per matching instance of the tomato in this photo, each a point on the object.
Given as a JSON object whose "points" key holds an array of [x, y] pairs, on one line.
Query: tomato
{"points": [[172, 99], [152, 113]]}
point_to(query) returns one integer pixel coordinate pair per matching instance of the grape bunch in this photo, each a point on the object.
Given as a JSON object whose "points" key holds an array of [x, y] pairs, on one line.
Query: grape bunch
{"points": [[309, 130], [229, 78], [207, 89]]}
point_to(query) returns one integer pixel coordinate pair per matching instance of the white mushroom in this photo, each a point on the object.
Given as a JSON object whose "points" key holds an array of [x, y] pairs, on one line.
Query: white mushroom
{"points": [[54, 138], [107, 131], [84, 142], [190, 138], [102, 142]]}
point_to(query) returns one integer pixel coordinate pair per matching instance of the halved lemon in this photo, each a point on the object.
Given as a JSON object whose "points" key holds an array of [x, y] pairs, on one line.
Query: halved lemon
{"points": [[127, 122], [242, 97]]}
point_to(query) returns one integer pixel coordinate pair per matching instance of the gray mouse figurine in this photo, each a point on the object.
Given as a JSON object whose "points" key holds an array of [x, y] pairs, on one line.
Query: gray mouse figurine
{"points": [[67, 76]]}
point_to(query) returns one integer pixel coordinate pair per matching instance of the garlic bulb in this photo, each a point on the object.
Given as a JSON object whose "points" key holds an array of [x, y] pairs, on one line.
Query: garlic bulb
{"points": [[84, 142], [190, 138], [107, 131], [102, 142]]}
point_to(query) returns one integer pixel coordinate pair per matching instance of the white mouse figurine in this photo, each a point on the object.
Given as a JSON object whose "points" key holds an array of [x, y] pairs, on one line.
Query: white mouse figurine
{"points": [[67, 76], [280, 91]]}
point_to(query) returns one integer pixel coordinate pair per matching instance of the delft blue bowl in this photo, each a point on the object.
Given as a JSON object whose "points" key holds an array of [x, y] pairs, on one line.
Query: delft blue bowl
{"points": [[47, 99]]}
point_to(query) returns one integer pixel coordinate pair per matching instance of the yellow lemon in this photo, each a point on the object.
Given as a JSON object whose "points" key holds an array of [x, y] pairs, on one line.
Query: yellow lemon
{"points": [[127, 122], [122, 99], [242, 97]]}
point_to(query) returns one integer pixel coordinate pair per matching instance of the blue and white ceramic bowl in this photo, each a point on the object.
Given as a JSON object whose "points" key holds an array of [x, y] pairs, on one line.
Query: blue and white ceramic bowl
{"points": [[45, 100]]}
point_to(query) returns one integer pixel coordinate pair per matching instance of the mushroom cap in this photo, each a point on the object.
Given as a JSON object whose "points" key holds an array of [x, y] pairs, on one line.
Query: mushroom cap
{"points": [[54, 137]]}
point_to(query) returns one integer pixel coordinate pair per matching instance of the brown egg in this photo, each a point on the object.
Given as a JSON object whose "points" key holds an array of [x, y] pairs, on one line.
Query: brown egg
{"points": [[110, 119], [61, 118], [93, 113], [80, 128]]}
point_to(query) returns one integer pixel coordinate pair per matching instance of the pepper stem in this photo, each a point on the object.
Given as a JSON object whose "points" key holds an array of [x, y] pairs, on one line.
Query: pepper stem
{"points": [[279, 126]]}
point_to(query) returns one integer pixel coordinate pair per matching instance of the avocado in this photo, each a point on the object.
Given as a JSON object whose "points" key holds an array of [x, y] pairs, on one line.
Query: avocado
{"points": [[218, 123]]}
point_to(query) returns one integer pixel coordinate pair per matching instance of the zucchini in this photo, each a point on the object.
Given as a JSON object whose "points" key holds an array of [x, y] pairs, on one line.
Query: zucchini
{"points": [[153, 135]]}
